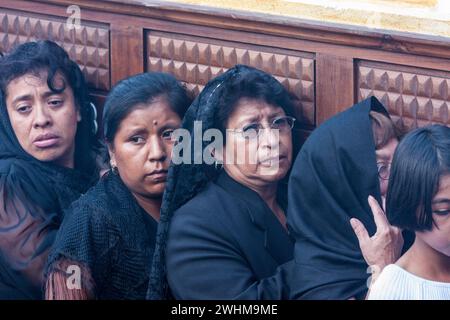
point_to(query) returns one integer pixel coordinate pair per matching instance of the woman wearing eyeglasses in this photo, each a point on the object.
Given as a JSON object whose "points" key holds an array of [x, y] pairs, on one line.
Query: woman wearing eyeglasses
{"points": [[223, 229]]}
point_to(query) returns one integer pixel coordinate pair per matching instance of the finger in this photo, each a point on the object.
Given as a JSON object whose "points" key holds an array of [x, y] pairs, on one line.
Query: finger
{"points": [[378, 214], [360, 231]]}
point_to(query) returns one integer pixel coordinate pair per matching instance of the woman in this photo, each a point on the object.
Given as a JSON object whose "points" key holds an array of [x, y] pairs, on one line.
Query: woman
{"points": [[419, 200], [48, 148], [223, 230], [342, 163], [105, 244]]}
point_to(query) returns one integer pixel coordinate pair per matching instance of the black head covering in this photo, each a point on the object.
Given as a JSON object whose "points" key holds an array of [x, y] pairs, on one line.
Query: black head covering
{"points": [[331, 179], [32, 190], [186, 180]]}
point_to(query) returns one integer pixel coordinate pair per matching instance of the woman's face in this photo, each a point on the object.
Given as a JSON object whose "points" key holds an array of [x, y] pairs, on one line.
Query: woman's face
{"points": [[439, 237], [142, 147], [44, 122], [384, 157], [261, 160]]}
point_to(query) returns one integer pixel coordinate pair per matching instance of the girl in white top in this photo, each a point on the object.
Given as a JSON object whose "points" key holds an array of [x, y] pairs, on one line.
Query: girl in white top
{"points": [[418, 199]]}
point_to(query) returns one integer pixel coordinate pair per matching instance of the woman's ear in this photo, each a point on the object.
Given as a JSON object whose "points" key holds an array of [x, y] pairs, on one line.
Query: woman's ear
{"points": [[78, 115], [112, 156]]}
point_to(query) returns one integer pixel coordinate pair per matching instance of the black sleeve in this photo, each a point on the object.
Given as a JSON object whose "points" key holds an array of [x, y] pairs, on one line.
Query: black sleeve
{"points": [[84, 244], [26, 235]]}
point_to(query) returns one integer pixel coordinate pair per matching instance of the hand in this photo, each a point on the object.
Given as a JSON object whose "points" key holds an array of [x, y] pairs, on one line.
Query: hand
{"points": [[385, 246]]}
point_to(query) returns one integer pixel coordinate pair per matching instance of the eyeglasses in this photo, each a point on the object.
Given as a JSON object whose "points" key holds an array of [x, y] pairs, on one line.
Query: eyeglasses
{"points": [[384, 169], [253, 130]]}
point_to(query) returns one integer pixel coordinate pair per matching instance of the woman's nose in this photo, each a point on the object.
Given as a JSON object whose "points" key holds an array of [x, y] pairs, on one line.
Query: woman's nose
{"points": [[157, 150], [42, 117]]}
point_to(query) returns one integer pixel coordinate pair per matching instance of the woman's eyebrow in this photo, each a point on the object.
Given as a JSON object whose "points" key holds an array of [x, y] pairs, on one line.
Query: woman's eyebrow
{"points": [[247, 119], [135, 130], [24, 97]]}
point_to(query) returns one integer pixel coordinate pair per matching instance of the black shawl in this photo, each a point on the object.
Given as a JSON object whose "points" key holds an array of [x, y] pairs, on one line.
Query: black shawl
{"points": [[331, 179], [111, 238]]}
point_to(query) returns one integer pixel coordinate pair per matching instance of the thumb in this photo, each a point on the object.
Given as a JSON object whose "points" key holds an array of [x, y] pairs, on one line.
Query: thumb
{"points": [[360, 231]]}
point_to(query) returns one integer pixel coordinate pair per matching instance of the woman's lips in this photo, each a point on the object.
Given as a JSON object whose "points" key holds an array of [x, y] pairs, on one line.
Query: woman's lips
{"points": [[46, 141], [157, 176], [273, 160]]}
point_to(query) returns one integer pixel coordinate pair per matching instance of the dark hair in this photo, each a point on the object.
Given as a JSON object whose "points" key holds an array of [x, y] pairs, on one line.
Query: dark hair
{"points": [[35, 57], [141, 89], [421, 159], [252, 84]]}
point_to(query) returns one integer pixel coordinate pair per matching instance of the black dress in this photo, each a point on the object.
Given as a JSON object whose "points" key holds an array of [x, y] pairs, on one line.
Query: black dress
{"points": [[226, 243], [110, 238]]}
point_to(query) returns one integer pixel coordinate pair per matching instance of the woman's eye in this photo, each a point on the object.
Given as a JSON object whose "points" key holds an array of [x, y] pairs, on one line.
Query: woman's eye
{"points": [[251, 127], [442, 212], [280, 122], [167, 135], [55, 103], [23, 109], [137, 139]]}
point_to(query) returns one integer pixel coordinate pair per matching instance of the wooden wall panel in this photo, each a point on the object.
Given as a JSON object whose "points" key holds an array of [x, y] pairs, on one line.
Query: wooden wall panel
{"points": [[88, 45], [413, 96], [196, 60], [335, 78], [327, 67]]}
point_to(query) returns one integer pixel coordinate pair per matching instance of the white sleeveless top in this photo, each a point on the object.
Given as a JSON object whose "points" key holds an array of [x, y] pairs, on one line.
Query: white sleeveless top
{"points": [[395, 283]]}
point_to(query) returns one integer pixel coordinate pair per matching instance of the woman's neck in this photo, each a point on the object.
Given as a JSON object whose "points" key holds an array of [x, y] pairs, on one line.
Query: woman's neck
{"points": [[268, 194], [426, 262], [151, 205]]}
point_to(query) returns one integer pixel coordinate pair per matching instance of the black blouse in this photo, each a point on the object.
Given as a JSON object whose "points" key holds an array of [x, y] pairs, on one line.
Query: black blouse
{"points": [[226, 243], [110, 238]]}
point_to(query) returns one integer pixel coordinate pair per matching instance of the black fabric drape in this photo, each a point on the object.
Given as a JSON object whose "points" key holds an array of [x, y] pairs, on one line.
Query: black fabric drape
{"points": [[331, 179]]}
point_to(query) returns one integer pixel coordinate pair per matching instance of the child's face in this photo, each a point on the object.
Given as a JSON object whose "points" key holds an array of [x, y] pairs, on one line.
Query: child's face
{"points": [[439, 237]]}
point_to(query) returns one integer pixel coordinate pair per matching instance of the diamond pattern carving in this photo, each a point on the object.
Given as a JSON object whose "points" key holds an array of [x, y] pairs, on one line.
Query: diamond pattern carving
{"points": [[412, 98], [196, 60], [88, 45]]}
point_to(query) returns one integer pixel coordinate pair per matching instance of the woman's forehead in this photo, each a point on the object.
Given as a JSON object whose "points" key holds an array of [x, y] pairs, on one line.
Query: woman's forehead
{"points": [[34, 80], [253, 107]]}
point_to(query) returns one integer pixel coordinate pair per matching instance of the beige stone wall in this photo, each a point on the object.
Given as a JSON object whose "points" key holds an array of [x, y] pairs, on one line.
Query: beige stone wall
{"points": [[429, 17]]}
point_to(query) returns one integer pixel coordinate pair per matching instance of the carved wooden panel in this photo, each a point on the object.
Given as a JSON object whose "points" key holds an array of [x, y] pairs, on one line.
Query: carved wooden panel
{"points": [[196, 60], [88, 44], [413, 96]]}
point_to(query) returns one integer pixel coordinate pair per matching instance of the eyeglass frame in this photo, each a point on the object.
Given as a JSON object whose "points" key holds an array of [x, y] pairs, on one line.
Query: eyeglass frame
{"points": [[381, 165], [241, 131]]}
